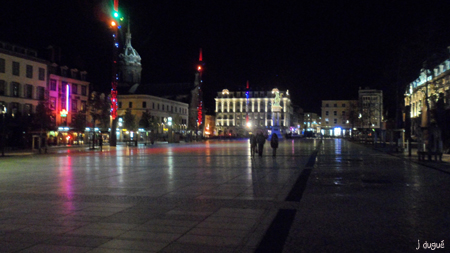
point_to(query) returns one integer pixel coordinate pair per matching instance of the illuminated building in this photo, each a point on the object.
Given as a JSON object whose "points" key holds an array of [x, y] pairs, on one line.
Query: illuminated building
{"points": [[23, 79], [232, 109], [432, 83], [336, 117], [311, 122], [159, 108]]}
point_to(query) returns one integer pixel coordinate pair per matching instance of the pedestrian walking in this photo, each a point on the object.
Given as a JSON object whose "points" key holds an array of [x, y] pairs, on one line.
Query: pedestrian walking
{"points": [[260, 139], [274, 144], [253, 145]]}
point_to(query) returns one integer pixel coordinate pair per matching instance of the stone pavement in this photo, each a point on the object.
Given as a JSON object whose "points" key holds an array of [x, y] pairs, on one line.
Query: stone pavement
{"points": [[315, 196], [187, 197], [361, 200]]}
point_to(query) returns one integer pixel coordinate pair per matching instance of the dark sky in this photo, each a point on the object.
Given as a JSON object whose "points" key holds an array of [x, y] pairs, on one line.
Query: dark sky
{"points": [[316, 49]]}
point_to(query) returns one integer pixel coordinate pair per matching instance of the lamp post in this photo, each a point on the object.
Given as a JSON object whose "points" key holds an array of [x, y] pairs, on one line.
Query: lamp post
{"points": [[3, 111]]}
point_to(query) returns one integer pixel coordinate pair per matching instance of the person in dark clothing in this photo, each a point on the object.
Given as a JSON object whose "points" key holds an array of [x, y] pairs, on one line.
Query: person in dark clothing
{"points": [[260, 139], [274, 143], [252, 145]]}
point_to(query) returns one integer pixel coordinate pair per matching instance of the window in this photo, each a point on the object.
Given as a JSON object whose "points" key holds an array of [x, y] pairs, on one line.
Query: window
{"points": [[29, 91], [343, 105], [326, 105], [74, 88], [2, 65], [153, 105], [2, 87], [130, 104], [63, 88], [15, 87], [335, 113], [163, 107], [335, 105], [120, 104], [171, 108], [144, 104], [326, 113], [16, 68], [74, 106], [41, 93], [343, 113], [29, 71], [335, 121], [52, 84], [14, 109], [41, 74], [83, 90], [27, 109], [83, 106], [52, 103], [158, 106]]}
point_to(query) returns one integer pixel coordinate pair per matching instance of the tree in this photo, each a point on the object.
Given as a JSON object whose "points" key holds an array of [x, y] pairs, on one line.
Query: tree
{"points": [[99, 108], [144, 122], [129, 120], [43, 118], [79, 122]]}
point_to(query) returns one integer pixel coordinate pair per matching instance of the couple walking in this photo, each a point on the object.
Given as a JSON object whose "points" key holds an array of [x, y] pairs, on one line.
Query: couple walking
{"points": [[257, 144]]}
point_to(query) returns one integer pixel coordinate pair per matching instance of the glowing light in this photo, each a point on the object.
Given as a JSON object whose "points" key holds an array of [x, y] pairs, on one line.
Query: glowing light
{"points": [[63, 113], [113, 23], [199, 68], [67, 97], [249, 124]]}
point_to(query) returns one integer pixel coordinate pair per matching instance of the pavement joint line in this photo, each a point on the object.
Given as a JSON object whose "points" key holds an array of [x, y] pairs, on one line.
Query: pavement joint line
{"points": [[278, 231]]}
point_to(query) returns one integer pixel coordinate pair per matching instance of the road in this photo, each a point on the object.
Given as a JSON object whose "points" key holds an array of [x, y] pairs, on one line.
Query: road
{"points": [[315, 196]]}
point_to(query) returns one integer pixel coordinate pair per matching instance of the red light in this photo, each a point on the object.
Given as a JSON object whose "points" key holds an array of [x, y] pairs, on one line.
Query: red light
{"points": [[199, 68], [113, 23]]}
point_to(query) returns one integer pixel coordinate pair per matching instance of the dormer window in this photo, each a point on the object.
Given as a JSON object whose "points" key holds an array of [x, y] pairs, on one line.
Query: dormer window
{"points": [[74, 73], [64, 70], [83, 75]]}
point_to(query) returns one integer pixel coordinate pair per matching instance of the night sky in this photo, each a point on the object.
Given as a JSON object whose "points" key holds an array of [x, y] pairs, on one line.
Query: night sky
{"points": [[316, 49]]}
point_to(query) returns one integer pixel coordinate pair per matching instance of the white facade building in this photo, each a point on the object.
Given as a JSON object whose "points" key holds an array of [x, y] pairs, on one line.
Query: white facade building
{"points": [[160, 110], [23, 79], [335, 117], [233, 108]]}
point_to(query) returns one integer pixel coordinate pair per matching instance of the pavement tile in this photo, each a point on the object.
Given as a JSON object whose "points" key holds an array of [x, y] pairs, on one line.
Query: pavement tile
{"points": [[97, 232], [55, 248], [118, 244], [162, 228], [149, 236], [79, 241], [211, 240]]}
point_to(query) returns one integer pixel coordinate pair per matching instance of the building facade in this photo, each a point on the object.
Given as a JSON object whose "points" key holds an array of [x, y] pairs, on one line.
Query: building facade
{"points": [[336, 117], [434, 84], [312, 123], [239, 113], [23, 79], [160, 110], [371, 108], [68, 93]]}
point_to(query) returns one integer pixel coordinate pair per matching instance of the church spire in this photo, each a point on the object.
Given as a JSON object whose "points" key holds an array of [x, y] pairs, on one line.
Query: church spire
{"points": [[130, 62]]}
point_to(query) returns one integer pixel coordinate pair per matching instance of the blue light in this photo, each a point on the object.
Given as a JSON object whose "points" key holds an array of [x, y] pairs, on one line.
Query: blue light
{"points": [[117, 44]]}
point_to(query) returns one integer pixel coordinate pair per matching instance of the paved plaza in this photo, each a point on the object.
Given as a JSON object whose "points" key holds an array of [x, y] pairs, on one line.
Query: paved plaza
{"points": [[314, 196]]}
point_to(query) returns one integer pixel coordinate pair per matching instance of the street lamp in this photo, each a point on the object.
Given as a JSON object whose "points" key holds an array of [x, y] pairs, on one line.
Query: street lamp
{"points": [[3, 111]]}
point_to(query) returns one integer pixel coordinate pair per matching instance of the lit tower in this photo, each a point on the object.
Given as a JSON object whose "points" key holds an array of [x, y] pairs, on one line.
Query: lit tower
{"points": [[115, 25], [200, 93]]}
